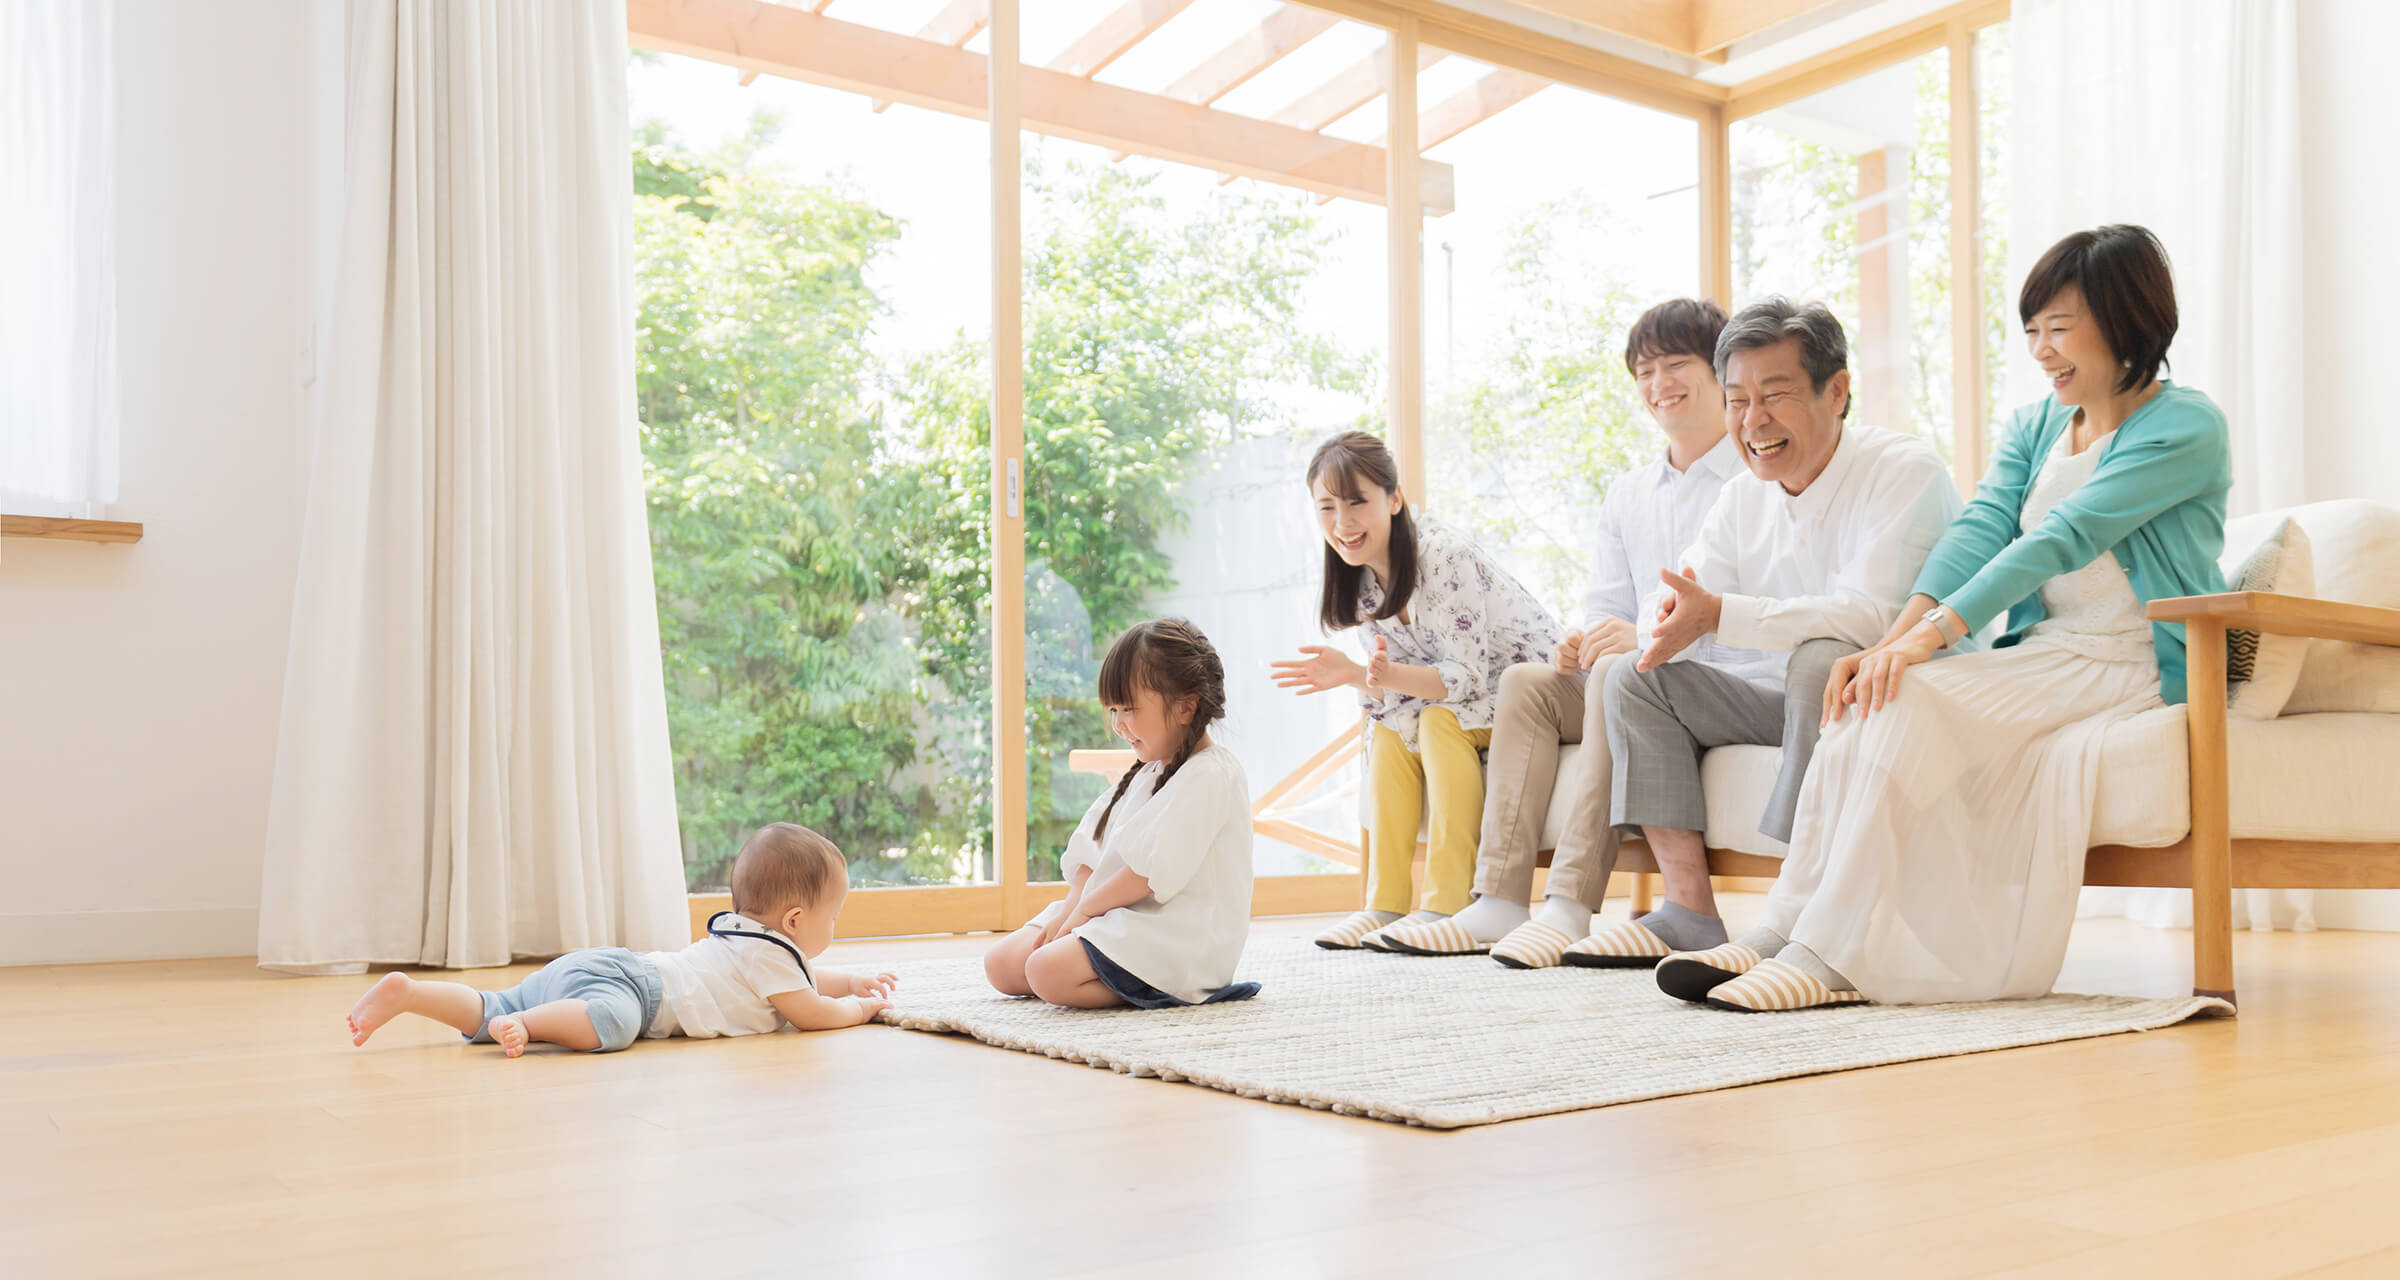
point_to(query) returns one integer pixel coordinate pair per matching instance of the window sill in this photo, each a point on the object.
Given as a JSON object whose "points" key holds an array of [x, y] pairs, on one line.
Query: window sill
{"points": [[56, 529]]}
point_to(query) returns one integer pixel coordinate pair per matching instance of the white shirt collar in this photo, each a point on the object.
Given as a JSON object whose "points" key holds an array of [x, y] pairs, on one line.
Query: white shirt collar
{"points": [[1722, 460], [1813, 500]]}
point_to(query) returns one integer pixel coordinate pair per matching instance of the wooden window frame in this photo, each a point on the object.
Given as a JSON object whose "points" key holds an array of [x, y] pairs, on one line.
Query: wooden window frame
{"points": [[730, 31]]}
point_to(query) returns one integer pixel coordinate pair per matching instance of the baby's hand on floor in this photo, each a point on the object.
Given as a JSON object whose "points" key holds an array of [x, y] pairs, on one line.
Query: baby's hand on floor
{"points": [[869, 1007]]}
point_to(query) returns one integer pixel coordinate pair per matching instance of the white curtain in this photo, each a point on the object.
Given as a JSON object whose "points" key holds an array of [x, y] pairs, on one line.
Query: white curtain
{"points": [[473, 761], [2183, 116], [58, 282]]}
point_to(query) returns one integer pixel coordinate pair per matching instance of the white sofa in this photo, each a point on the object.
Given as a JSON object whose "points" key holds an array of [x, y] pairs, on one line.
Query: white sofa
{"points": [[2308, 799]]}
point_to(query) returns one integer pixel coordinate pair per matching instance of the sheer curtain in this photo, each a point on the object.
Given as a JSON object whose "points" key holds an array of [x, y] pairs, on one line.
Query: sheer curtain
{"points": [[2184, 116], [473, 760], [58, 281]]}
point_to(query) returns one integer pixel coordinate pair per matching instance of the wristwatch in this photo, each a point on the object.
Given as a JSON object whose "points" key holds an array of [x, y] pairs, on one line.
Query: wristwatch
{"points": [[1941, 616]]}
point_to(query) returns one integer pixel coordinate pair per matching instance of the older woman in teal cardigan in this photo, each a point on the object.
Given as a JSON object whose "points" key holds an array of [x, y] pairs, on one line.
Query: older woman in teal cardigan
{"points": [[1940, 839]]}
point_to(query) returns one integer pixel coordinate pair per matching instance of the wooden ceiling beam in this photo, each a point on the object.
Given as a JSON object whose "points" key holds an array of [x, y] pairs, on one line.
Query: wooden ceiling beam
{"points": [[1665, 24], [791, 42], [1718, 23]]}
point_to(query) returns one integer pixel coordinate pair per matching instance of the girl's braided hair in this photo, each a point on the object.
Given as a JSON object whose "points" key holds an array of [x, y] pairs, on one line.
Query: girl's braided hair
{"points": [[1169, 657]]}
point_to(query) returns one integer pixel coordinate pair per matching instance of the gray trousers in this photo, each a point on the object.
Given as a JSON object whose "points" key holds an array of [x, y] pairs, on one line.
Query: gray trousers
{"points": [[1538, 711], [1660, 722]]}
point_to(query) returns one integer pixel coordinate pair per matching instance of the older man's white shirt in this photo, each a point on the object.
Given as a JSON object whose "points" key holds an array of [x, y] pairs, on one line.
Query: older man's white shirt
{"points": [[1836, 560], [1651, 515]]}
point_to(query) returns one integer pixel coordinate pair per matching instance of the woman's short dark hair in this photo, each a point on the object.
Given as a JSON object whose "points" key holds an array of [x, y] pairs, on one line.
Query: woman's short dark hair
{"points": [[1342, 463], [1676, 327], [2127, 285]]}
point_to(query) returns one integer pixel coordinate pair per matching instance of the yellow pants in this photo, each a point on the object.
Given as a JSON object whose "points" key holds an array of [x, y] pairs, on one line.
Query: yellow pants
{"points": [[1446, 774]]}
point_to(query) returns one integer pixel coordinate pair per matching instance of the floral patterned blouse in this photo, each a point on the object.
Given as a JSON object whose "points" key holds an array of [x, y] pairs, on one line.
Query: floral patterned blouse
{"points": [[1468, 619]]}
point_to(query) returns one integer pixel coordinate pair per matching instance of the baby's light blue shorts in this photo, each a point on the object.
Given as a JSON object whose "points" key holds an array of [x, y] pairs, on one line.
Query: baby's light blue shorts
{"points": [[620, 989]]}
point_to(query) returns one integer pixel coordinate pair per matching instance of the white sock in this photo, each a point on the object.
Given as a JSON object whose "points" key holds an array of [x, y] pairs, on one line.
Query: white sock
{"points": [[1488, 919], [1566, 915]]}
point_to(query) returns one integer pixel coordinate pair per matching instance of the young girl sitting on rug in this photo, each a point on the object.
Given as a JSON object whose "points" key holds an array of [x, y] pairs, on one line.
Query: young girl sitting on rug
{"points": [[749, 975], [1158, 873]]}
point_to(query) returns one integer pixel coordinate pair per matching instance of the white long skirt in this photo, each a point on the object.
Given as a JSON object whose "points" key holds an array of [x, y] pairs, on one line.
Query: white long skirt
{"points": [[1939, 844]]}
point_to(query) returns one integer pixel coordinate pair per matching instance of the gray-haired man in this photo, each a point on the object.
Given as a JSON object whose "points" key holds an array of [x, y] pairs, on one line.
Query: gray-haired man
{"points": [[1807, 557]]}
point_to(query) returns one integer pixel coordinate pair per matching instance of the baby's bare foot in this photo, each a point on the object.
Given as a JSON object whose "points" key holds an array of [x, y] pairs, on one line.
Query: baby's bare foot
{"points": [[382, 1002], [508, 1031]]}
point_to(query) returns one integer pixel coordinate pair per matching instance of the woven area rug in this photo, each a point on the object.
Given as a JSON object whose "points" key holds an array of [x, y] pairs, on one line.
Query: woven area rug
{"points": [[1448, 1043]]}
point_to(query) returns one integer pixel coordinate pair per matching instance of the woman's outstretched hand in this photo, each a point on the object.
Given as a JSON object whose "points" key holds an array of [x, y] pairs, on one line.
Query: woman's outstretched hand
{"points": [[1323, 668]]}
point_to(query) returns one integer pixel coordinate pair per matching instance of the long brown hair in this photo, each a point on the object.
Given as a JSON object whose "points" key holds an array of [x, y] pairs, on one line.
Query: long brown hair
{"points": [[1342, 463], [1170, 658]]}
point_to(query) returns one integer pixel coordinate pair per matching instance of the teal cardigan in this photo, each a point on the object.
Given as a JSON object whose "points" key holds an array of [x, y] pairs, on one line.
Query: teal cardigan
{"points": [[2157, 499]]}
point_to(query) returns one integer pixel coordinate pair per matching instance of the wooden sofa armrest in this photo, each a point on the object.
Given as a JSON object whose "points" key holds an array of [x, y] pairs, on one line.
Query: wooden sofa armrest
{"points": [[2284, 616]]}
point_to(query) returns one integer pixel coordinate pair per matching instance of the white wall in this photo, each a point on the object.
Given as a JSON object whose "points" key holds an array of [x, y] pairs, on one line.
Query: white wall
{"points": [[139, 686], [2352, 283]]}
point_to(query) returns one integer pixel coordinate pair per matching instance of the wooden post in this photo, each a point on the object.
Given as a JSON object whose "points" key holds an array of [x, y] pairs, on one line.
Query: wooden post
{"points": [[1716, 207], [2212, 846], [1008, 481], [1967, 355], [1876, 353], [1404, 220]]}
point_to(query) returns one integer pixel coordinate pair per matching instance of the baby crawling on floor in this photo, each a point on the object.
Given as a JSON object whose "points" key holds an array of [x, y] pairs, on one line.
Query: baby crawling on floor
{"points": [[750, 975]]}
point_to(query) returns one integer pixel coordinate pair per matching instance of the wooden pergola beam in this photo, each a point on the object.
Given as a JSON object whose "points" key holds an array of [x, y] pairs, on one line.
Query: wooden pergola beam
{"points": [[790, 42], [957, 23], [1109, 39], [1229, 68], [1353, 87], [1487, 97]]}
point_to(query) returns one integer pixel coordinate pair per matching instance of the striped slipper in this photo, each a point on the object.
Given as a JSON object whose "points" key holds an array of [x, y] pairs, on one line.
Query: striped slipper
{"points": [[1532, 945], [1619, 946], [1691, 975], [1432, 938], [1776, 987], [1349, 935]]}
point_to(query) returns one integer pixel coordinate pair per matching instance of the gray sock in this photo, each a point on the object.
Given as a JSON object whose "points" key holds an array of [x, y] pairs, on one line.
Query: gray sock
{"points": [[1684, 930], [1766, 942], [1806, 961]]}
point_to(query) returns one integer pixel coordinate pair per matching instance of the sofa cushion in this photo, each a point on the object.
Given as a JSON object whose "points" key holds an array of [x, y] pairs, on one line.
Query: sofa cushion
{"points": [[2356, 549], [2265, 553], [2300, 777]]}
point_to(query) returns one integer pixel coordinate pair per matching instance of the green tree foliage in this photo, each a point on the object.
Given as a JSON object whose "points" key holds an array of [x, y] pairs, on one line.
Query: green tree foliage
{"points": [[1153, 337], [820, 519], [1525, 450]]}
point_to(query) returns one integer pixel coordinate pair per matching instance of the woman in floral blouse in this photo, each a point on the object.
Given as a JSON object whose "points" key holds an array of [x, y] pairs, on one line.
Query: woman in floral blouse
{"points": [[1441, 620]]}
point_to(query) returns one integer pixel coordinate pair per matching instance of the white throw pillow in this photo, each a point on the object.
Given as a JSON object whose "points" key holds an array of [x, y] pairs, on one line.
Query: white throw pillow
{"points": [[2355, 547], [2260, 670]]}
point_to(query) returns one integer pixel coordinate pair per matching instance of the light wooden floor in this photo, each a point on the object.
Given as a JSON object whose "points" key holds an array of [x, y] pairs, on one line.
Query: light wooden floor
{"points": [[202, 1118]]}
